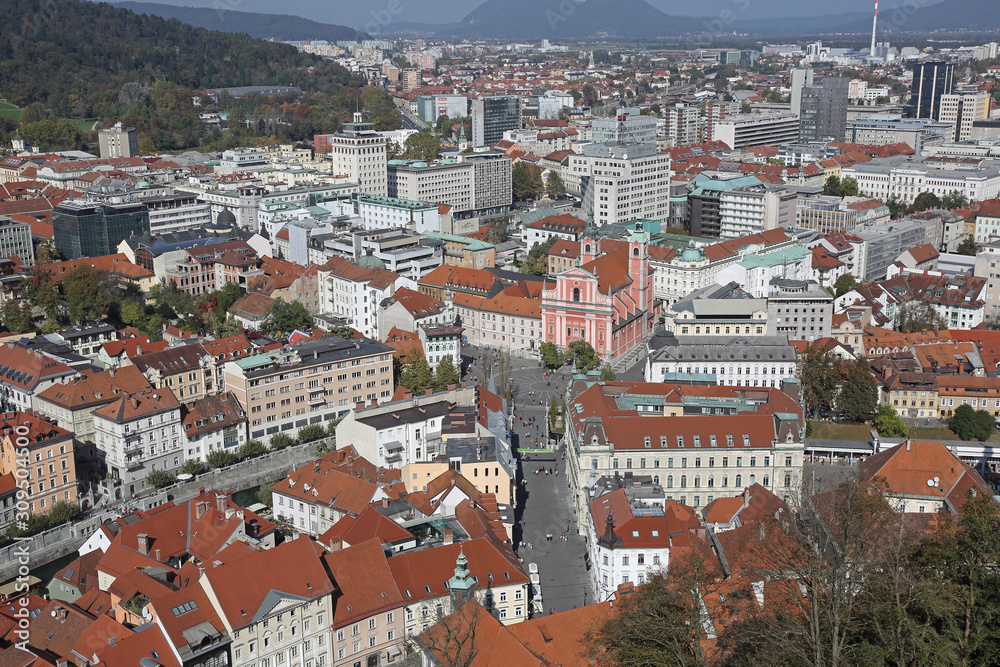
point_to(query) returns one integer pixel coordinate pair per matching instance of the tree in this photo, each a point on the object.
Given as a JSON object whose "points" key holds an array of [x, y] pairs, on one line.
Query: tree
{"points": [[497, 230], [159, 479], [896, 207], [925, 201], [859, 395], [888, 423], [132, 313], [583, 355], [836, 187], [953, 200], [422, 146], [46, 253], [264, 494], [311, 432], [446, 374], [287, 316], [193, 467], [280, 441], [416, 375], [913, 316], [16, 318], [554, 186], [85, 299], [62, 512], [251, 448], [607, 374], [220, 458], [552, 358], [819, 375], [844, 284], [967, 246], [537, 263], [526, 181], [42, 291], [971, 424]]}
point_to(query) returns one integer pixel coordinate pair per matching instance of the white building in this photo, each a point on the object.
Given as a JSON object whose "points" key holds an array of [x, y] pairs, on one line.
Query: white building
{"points": [[906, 177], [480, 183], [140, 433], [962, 110], [243, 159], [623, 182], [353, 292], [440, 341], [734, 361], [758, 129], [215, 423], [755, 209], [174, 213], [389, 212], [360, 152], [754, 272]]}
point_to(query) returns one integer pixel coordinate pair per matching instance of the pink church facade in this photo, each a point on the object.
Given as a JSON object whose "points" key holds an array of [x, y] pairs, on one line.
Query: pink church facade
{"points": [[606, 301]]}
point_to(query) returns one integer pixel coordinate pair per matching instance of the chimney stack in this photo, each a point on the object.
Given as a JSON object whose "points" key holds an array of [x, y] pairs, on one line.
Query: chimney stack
{"points": [[449, 536], [220, 502], [157, 554], [200, 508], [336, 544], [143, 540]]}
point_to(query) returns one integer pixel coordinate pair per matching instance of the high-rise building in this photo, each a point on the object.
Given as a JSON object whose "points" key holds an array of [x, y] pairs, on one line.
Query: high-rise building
{"points": [[118, 141], [479, 183], [801, 76], [492, 116], [930, 81], [756, 129], [685, 124], [961, 111], [628, 126], [92, 229], [823, 109], [15, 240], [360, 152], [624, 182]]}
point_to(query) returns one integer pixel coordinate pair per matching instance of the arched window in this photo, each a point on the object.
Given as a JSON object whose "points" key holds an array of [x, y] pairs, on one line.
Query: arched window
{"points": [[576, 294], [739, 481], [766, 480], [635, 252], [711, 482], [753, 479], [670, 481], [684, 481], [656, 479], [725, 481], [586, 248], [697, 481]]}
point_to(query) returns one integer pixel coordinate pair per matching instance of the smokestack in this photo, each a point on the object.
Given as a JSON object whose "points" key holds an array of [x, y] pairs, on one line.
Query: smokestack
{"points": [[871, 54], [143, 540], [449, 536]]}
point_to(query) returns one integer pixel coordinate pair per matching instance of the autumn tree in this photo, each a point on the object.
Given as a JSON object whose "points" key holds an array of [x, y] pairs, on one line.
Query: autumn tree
{"points": [[819, 375], [445, 374], [859, 395], [416, 375]]}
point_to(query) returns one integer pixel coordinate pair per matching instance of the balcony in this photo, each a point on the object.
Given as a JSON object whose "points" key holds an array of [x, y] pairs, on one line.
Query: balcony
{"points": [[317, 398]]}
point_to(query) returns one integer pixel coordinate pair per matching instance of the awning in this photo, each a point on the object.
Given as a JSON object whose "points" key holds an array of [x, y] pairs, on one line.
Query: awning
{"points": [[393, 651], [394, 446]]}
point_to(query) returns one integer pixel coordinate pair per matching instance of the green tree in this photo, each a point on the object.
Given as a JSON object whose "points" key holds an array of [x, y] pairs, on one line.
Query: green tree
{"points": [[896, 208], [583, 355], [311, 432], [526, 181], [925, 201], [416, 375], [836, 187], [84, 298], [971, 424], [844, 284], [220, 458], [446, 374], [62, 512], [287, 316], [159, 479], [280, 441], [422, 146], [888, 423], [193, 467], [46, 253], [264, 494], [133, 313], [537, 263], [819, 375], [859, 394], [251, 448], [42, 292], [552, 358], [554, 186], [913, 316], [17, 318], [967, 246], [953, 200], [607, 374]]}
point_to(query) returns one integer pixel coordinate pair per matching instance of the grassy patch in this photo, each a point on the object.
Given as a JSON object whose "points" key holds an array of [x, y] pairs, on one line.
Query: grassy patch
{"points": [[14, 113], [832, 431]]}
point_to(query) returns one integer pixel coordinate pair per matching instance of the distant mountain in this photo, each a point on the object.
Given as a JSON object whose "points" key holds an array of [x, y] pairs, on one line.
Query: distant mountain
{"points": [[567, 19], [282, 27], [797, 25], [982, 16]]}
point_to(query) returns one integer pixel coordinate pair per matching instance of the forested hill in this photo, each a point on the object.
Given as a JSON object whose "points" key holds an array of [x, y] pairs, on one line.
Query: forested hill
{"points": [[270, 26], [71, 56]]}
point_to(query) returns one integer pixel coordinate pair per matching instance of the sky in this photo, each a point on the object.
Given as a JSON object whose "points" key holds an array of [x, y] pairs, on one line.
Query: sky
{"points": [[358, 13]]}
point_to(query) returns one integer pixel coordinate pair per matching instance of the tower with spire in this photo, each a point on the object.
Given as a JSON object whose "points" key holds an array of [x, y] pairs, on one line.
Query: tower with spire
{"points": [[462, 584], [590, 241]]}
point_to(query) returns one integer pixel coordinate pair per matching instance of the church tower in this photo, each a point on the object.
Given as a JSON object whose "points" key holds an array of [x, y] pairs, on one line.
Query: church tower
{"points": [[638, 267], [590, 241], [461, 585]]}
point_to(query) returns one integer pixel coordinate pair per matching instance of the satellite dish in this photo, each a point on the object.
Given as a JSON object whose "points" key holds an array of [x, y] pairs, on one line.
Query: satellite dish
{"points": [[930, 482]]}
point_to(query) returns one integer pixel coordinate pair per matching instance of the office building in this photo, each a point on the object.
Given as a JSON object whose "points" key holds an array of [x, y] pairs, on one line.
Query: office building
{"points": [[492, 116], [931, 80], [15, 240], [475, 184], [310, 383], [754, 209], [799, 309], [175, 213], [756, 129], [91, 229], [360, 152], [764, 361], [801, 76], [610, 177], [962, 111], [432, 107], [827, 215], [704, 205], [118, 141], [628, 126], [905, 177], [823, 110], [885, 129]]}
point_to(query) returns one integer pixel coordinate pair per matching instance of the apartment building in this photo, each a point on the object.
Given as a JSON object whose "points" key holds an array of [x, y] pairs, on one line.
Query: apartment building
{"points": [[208, 268], [476, 184], [799, 309], [26, 373], [41, 455], [140, 433], [309, 383], [179, 212], [757, 129], [353, 292], [360, 152], [698, 442], [508, 321], [758, 361], [754, 209], [188, 370], [620, 183], [961, 111], [277, 605], [15, 240], [213, 424]]}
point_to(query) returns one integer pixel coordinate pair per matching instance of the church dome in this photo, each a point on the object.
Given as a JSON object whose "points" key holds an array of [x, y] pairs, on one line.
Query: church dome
{"points": [[226, 218], [370, 261], [692, 253]]}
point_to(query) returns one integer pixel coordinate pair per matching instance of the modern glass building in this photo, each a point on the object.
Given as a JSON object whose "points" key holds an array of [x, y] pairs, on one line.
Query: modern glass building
{"points": [[92, 229], [930, 82], [492, 116]]}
